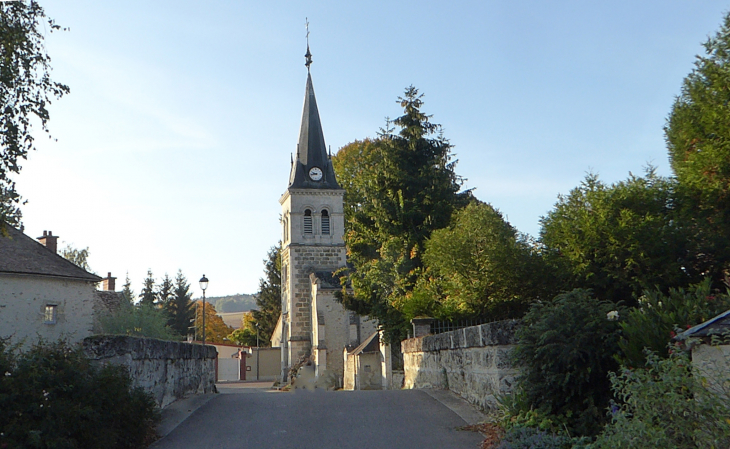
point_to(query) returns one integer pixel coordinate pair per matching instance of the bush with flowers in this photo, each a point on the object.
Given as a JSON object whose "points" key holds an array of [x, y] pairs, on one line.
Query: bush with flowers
{"points": [[51, 396]]}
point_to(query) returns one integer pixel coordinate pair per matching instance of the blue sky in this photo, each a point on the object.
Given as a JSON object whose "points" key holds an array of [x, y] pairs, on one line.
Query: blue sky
{"points": [[173, 146]]}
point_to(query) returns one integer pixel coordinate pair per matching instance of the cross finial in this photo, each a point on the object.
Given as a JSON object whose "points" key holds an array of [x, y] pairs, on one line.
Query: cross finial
{"points": [[308, 56]]}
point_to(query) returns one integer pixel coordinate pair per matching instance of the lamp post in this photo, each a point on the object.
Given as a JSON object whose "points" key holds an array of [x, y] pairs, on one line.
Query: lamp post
{"points": [[203, 285], [257, 351]]}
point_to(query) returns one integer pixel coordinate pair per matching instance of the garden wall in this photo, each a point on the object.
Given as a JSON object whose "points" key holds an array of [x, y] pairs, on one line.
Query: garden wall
{"points": [[168, 370], [472, 362]]}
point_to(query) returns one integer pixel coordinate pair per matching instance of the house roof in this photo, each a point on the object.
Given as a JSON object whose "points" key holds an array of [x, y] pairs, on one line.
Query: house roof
{"points": [[20, 254], [715, 326], [371, 344]]}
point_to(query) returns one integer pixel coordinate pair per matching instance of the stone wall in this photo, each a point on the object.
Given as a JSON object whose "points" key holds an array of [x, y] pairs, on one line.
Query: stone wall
{"points": [[168, 370], [472, 362]]}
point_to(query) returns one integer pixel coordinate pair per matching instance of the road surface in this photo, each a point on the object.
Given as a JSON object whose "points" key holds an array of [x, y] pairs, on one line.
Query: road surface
{"points": [[300, 419]]}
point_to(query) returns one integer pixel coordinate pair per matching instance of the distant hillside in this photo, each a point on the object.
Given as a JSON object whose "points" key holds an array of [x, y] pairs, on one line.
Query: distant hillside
{"points": [[232, 303]]}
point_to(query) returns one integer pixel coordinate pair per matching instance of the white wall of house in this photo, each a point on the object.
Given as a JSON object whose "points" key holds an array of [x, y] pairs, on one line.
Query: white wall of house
{"points": [[23, 302]]}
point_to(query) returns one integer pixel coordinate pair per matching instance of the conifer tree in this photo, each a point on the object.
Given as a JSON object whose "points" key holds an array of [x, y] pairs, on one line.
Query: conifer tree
{"points": [[165, 291], [698, 139], [148, 297], [127, 290], [402, 186], [268, 298], [181, 307]]}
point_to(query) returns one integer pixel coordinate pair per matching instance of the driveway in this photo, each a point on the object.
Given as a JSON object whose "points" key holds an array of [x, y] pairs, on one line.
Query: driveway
{"points": [[321, 419]]}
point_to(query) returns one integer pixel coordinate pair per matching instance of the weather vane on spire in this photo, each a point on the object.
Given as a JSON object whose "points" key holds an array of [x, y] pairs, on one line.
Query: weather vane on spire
{"points": [[308, 56]]}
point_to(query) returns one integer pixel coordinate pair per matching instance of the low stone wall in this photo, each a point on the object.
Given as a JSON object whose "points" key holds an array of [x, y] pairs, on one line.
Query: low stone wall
{"points": [[472, 362], [169, 370]]}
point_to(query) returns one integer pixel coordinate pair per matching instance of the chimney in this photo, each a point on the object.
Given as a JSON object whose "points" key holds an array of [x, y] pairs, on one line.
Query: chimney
{"points": [[49, 240], [108, 284]]}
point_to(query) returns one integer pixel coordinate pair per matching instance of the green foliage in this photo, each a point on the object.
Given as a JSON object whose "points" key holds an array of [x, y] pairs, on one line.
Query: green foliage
{"points": [[78, 257], [165, 291], [666, 406], [565, 350], [698, 139], [180, 307], [621, 239], [697, 130], [246, 335], [477, 266], [127, 290], [652, 324], [26, 90], [399, 189], [148, 297], [53, 397], [530, 437], [268, 299], [138, 321]]}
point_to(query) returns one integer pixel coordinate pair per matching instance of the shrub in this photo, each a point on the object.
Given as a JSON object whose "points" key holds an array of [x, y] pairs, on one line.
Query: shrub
{"points": [[652, 325], [565, 350], [666, 406], [138, 321], [529, 438], [53, 397]]}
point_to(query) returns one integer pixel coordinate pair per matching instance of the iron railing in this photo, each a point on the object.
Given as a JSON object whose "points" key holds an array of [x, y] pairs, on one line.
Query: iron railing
{"points": [[439, 327]]}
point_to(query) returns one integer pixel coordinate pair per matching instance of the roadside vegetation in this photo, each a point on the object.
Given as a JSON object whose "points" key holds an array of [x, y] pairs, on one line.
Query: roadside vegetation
{"points": [[52, 396]]}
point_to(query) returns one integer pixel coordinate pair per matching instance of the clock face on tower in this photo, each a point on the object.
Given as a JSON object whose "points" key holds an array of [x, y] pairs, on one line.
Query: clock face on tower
{"points": [[315, 173]]}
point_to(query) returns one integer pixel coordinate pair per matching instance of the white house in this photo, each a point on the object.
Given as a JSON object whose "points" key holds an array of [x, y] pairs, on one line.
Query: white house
{"points": [[43, 295]]}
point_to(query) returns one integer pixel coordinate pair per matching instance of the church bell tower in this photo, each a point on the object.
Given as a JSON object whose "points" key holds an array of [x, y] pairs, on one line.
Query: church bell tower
{"points": [[313, 226]]}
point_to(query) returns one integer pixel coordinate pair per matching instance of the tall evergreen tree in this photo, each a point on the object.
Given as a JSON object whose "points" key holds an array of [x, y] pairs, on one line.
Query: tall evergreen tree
{"points": [[148, 297], [402, 187], [127, 290], [165, 291], [698, 138], [181, 307], [268, 298]]}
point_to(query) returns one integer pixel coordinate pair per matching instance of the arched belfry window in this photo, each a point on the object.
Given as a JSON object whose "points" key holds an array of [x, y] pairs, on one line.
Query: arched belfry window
{"points": [[325, 222], [307, 221]]}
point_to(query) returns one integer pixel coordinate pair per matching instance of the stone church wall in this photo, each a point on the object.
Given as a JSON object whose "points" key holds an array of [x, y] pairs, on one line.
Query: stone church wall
{"points": [[169, 370], [472, 362]]}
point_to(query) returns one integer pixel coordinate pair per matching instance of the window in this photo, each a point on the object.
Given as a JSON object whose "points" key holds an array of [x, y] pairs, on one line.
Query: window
{"points": [[307, 221], [286, 230], [50, 314], [325, 222]]}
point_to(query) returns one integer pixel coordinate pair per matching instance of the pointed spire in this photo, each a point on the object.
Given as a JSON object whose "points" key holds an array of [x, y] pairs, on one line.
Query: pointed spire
{"points": [[311, 150]]}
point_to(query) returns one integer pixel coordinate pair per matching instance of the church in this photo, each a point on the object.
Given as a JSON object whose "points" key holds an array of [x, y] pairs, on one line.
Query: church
{"points": [[314, 328]]}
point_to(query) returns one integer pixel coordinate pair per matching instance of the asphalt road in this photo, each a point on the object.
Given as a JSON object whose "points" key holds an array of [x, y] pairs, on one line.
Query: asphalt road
{"points": [[399, 419]]}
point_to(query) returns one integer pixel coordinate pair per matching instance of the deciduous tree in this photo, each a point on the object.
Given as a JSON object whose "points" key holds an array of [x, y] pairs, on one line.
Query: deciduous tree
{"points": [[215, 329], [26, 90], [621, 239], [478, 266], [78, 257]]}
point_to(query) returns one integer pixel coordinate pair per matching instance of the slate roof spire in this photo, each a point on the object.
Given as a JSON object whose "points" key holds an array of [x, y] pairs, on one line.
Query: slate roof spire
{"points": [[312, 168]]}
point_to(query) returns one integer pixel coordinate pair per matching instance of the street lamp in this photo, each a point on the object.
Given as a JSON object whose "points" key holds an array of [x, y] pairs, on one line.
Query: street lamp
{"points": [[257, 351], [203, 285]]}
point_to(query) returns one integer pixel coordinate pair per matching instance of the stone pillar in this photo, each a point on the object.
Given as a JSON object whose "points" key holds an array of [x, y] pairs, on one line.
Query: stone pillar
{"points": [[386, 364], [421, 326]]}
